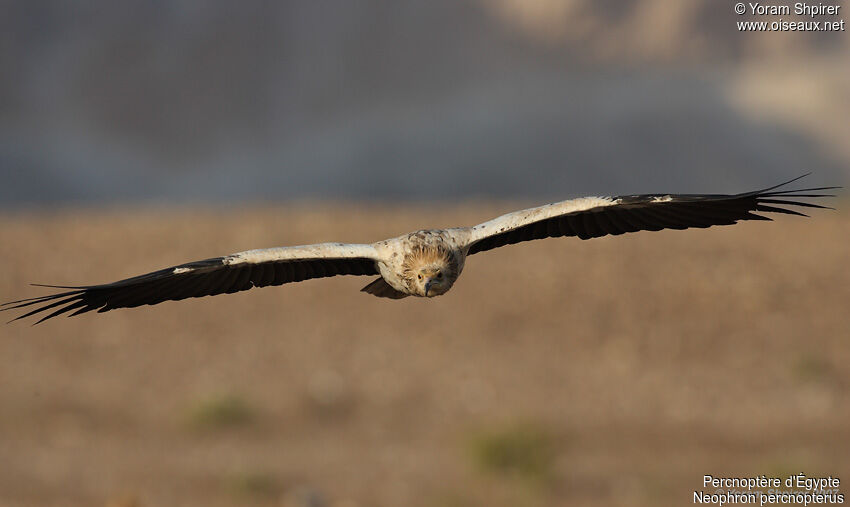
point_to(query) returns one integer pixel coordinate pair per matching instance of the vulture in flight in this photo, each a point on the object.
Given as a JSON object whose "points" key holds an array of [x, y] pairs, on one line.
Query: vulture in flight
{"points": [[423, 263]]}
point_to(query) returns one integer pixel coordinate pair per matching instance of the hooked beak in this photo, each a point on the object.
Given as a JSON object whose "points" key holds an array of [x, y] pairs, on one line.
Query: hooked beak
{"points": [[428, 286]]}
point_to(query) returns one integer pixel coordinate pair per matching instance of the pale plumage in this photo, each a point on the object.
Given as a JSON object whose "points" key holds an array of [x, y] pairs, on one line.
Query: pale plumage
{"points": [[423, 263]]}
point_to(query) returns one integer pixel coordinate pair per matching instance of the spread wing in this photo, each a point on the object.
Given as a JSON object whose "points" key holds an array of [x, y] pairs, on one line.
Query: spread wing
{"points": [[219, 275], [592, 217]]}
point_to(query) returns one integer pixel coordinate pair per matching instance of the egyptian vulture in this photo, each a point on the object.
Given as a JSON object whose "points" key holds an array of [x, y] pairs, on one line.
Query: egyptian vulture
{"points": [[423, 263]]}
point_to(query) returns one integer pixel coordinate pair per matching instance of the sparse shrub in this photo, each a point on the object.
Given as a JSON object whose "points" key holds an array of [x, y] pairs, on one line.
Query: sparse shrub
{"points": [[525, 451], [810, 368], [252, 484], [221, 411]]}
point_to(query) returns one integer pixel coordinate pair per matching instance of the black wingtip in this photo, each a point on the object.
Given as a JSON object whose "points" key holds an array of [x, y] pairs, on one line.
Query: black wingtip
{"points": [[795, 203], [786, 183], [59, 286], [797, 190], [39, 321], [19, 317]]}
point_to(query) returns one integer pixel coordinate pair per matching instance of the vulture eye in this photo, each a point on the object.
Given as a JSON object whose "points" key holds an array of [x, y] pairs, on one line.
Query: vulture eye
{"points": [[439, 275], [420, 277]]}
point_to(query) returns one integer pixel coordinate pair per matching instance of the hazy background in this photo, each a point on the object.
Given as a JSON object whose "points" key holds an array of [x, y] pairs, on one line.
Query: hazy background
{"points": [[210, 101], [141, 134]]}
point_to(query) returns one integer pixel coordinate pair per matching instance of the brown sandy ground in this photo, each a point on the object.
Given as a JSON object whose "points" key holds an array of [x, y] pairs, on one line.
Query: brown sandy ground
{"points": [[615, 371]]}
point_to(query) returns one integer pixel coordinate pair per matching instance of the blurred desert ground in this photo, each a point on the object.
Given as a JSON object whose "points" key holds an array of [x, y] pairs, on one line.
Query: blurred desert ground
{"points": [[615, 371], [136, 135]]}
